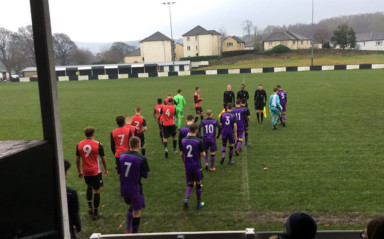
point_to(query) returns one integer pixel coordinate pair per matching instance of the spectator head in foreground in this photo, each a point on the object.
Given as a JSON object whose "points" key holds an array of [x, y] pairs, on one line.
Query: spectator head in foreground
{"points": [[299, 226], [375, 229]]}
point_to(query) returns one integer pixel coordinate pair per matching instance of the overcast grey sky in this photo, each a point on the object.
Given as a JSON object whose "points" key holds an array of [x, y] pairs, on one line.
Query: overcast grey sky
{"points": [[125, 20]]}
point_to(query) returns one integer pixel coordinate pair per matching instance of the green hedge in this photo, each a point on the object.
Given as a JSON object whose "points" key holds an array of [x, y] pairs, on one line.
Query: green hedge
{"points": [[199, 58], [280, 49], [237, 53]]}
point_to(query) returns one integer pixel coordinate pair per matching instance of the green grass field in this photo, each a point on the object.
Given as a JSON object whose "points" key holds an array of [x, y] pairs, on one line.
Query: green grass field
{"points": [[291, 59], [328, 161]]}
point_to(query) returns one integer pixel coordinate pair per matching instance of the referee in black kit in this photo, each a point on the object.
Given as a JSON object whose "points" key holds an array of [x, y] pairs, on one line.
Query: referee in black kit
{"points": [[229, 97], [243, 94]]}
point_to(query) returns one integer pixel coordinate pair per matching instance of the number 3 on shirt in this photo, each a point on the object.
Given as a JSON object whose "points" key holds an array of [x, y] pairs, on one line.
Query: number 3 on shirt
{"points": [[128, 168], [227, 121]]}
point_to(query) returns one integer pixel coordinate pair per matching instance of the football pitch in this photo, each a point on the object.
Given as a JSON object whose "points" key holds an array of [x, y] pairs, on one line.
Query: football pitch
{"points": [[328, 161]]}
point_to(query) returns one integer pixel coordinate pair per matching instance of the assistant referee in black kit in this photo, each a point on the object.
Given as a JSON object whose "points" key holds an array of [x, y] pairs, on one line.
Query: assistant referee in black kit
{"points": [[229, 97]]}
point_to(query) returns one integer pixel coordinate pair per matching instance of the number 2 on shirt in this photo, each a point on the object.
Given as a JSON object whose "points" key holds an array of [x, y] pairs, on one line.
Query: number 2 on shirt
{"points": [[128, 168], [137, 124], [189, 154]]}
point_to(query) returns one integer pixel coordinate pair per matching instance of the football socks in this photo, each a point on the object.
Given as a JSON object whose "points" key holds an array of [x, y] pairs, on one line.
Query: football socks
{"points": [[135, 224]]}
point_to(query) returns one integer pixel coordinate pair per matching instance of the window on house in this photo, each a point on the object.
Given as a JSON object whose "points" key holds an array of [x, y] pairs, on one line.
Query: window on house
{"points": [[294, 42], [188, 38], [379, 43], [195, 37], [302, 42], [270, 43], [188, 48], [363, 43], [229, 44], [196, 48]]}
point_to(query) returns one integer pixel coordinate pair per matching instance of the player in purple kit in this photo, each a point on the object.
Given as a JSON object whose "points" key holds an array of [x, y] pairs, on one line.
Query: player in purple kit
{"points": [[185, 130], [191, 153], [247, 118], [133, 167], [240, 123], [209, 126], [184, 133], [283, 102], [228, 132]]}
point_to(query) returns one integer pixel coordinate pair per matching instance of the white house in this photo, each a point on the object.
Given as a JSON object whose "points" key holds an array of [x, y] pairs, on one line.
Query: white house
{"points": [[371, 41], [156, 48], [201, 42]]}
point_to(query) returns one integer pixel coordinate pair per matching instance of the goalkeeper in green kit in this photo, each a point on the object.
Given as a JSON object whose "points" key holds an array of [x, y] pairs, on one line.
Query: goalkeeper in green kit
{"points": [[179, 104]]}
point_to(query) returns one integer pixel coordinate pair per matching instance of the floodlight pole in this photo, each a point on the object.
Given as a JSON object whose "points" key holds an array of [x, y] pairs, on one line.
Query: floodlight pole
{"points": [[172, 43], [313, 34]]}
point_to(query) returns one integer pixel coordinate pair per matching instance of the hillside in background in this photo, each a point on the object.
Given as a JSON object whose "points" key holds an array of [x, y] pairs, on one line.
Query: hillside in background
{"points": [[97, 47], [323, 30]]}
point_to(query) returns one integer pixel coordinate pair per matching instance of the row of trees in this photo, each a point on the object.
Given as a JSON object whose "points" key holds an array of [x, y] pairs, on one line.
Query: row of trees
{"points": [[17, 51]]}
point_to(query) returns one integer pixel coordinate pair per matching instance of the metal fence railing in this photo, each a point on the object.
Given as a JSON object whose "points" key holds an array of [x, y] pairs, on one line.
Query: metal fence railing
{"points": [[249, 233]]}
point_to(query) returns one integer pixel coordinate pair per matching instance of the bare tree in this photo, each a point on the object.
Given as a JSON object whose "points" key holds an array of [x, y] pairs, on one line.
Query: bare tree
{"points": [[247, 28], [63, 47], [119, 50], [7, 49], [115, 54], [271, 29], [257, 38], [322, 35], [82, 57], [223, 33], [25, 44]]}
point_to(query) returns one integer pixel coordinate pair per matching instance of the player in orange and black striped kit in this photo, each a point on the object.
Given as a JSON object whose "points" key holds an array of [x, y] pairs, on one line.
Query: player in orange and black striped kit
{"points": [[88, 152], [197, 100], [141, 126]]}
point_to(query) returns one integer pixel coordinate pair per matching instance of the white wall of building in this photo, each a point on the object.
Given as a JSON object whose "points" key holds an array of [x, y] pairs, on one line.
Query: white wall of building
{"points": [[156, 51], [377, 45], [203, 45]]}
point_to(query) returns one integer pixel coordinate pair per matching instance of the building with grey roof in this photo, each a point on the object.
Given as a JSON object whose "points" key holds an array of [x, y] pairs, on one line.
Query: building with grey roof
{"points": [[201, 42], [371, 41], [156, 48], [290, 39]]}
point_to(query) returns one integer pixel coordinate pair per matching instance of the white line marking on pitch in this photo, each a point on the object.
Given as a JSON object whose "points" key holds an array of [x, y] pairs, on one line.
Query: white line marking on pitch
{"points": [[244, 167]]}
